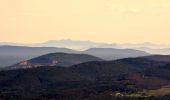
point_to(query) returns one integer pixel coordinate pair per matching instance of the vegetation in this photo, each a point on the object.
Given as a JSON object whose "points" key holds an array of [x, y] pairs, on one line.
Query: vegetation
{"points": [[125, 79]]}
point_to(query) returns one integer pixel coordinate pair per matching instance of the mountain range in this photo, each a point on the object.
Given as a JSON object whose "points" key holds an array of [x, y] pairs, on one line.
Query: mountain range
{"points": [[10, 55], [68, 43], [161, 51], [83, 45], [96, 71]]}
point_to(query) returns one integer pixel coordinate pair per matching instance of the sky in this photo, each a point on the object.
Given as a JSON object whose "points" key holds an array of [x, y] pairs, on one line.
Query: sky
{"points": [[110, 21]]}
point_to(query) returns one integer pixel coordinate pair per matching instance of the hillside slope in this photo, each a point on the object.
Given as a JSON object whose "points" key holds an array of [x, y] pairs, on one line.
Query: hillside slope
{"points": [[10, 55], [113, 54], [56, 59], [83, 80], [163, 58]]}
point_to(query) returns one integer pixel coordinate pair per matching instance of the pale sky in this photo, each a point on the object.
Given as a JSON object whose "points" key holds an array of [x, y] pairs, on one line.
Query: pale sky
{"points": [[119, 21]]}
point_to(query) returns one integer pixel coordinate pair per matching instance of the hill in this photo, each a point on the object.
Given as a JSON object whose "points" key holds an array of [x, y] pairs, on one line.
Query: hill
{"points": [[56, 59], [163, 58], [84, 80], [113, 54], [10, 55], [159, 71]]}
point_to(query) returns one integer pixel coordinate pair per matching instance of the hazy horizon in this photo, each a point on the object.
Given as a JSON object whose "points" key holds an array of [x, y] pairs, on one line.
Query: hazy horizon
{"points": [[76, 40]]}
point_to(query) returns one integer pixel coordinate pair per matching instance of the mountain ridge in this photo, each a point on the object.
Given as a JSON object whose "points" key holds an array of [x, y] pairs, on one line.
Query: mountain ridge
{"points": [[82, 45], [55, 59], [113, 53], [10, 55]]}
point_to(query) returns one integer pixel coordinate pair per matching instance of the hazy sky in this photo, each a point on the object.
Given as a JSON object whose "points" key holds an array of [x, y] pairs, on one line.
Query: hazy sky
{"points": [[120, 21]]}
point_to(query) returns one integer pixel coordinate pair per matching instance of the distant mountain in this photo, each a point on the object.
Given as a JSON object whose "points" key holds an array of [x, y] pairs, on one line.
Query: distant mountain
{"points": [[56, 59], [113, 54], [12, 54], [82, 45], [162, 51], [67, 43], [78, 45], [130, 75], [145, 45]]}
